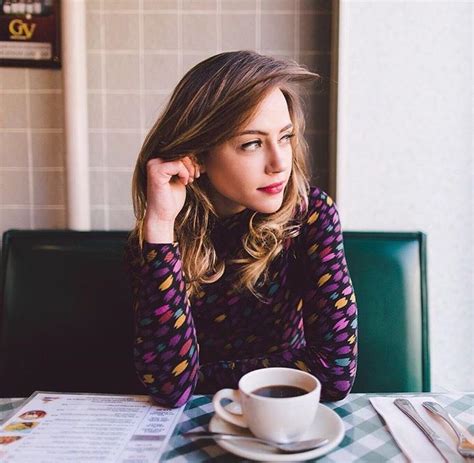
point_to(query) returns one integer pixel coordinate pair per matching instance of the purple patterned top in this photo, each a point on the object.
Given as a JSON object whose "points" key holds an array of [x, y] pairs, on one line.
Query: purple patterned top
{"points": [[308, 322]]}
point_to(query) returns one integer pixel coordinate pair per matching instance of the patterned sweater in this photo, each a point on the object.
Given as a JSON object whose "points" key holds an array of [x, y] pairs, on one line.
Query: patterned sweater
{"points": [[308, 320]]}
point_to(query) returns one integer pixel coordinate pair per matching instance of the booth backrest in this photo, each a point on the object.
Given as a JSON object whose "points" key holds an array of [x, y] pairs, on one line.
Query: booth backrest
{"points": [[66, 321], [388, 271]]}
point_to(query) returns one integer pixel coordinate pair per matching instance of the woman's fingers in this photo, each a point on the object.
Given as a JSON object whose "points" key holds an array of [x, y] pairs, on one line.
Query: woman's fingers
{"points": [[192, 166], [183, 172], [163, 171], [186, 169]]}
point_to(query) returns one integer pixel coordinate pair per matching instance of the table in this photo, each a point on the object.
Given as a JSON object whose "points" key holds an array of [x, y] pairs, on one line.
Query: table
{"points": [[366, 438]]}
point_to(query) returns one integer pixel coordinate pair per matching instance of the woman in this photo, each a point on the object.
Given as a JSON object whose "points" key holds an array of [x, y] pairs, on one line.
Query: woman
{"points": [[236, 262]]}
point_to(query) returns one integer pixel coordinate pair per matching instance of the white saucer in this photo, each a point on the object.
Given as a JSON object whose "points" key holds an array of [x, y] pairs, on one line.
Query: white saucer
{"points": [[327, 424]]}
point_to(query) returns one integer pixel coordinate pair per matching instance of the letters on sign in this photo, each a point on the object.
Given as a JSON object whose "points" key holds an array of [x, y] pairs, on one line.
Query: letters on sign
{"points": [[21, 30]]}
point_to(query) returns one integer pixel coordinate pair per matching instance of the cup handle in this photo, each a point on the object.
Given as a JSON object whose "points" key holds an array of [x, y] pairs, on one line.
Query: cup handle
{"points": [[234, 418]]}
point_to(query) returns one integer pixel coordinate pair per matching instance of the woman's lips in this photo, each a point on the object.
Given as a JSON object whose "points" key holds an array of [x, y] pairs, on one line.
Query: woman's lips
{"points": [[273, 190]]}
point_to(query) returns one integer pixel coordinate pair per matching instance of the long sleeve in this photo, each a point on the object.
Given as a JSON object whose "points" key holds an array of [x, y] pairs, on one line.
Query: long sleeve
{"points": [[328, 306], [310, 323], [166, 349]]}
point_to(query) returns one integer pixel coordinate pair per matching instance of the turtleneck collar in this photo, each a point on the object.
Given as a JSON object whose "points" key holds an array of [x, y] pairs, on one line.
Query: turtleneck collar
{"points": [[228, 231], [230, 221]]}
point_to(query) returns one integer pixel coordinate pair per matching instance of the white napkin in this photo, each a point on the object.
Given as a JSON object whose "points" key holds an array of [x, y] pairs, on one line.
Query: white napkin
{"points": [[411, 440]]}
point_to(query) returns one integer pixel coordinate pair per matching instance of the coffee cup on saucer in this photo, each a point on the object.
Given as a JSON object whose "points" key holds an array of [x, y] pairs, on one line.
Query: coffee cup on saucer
{"points": [[277, 403]]}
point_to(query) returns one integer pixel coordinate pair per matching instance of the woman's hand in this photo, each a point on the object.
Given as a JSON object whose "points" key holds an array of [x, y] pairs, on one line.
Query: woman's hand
{"points": [[166, 193]]}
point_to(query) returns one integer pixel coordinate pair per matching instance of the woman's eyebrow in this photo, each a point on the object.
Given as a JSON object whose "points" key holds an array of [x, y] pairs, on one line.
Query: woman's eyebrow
{"points": [[259, 132]]}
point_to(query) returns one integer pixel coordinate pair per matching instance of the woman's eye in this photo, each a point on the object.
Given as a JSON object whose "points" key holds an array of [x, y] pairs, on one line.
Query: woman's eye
{"points": [[252, 144], [288, 136]]}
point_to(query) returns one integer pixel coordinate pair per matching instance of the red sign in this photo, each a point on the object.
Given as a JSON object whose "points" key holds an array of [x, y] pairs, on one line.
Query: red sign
{"points": [[30, 33]]}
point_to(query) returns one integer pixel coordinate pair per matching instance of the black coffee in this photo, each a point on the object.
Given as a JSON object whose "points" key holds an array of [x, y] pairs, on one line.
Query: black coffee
{"points": [[279, 392]]}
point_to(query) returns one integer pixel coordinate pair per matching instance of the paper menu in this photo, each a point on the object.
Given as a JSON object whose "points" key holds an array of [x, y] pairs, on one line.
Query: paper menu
{"points": [[58, 427]]}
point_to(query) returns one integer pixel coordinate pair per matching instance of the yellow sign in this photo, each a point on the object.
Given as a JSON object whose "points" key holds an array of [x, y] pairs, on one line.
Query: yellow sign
{"points": [[20, 30]]}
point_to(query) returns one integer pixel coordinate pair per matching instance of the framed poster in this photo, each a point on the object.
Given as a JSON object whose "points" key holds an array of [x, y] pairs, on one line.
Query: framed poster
{"points": [[30, 33]]}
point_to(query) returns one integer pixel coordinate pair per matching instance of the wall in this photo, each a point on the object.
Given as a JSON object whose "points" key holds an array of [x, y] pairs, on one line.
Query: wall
{"points": [[405, 151], [137, 51], [32, 191]]}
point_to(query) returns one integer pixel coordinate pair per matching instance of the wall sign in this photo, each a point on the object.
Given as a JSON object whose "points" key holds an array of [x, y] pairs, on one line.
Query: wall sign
{"points": [[30, 33]]}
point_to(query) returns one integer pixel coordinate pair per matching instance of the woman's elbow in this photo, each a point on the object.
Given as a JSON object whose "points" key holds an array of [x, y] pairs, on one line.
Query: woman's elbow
{"points": [[171, 395], [335, 393], [174, 400], [338, 390]]}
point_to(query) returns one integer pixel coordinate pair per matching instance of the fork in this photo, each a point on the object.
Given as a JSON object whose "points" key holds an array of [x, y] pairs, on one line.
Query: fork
{"points": [[465, 447]]}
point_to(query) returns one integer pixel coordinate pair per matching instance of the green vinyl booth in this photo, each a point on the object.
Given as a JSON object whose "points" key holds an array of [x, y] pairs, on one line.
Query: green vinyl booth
{"points": [[388, 271], [66, 319]]}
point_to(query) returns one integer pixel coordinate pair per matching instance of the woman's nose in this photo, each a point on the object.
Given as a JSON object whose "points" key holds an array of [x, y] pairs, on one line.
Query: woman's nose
{"points": [[276, 160]]}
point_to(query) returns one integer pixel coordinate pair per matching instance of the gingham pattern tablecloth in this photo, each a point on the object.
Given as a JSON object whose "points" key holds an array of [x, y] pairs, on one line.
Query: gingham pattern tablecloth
{"points": [[366, 437]]}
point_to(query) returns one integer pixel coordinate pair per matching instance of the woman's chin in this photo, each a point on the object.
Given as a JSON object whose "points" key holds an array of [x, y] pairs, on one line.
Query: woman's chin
{"points": [[270, 207]]}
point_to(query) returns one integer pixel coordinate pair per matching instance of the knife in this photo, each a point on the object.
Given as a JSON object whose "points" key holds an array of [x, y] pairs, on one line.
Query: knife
{"points": [[449, 455]]}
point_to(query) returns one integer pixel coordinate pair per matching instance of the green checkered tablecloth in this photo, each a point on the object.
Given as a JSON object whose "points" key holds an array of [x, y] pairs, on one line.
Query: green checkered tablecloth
{"points": [[366, 438]]}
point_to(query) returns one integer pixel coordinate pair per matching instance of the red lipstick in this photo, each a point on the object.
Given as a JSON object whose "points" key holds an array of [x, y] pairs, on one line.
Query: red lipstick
{"points": [[273, 189]]}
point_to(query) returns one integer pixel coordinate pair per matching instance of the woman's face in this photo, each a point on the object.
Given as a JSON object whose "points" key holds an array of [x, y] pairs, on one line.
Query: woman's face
{"points": [[259, 156]]}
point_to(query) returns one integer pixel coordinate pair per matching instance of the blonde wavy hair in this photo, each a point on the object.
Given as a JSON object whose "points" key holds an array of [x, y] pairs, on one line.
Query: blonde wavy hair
{"points": [[210, 104]]}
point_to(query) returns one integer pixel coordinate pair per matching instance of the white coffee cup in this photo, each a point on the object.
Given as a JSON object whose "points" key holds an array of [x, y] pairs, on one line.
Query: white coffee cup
{"points": [[281, 419]]}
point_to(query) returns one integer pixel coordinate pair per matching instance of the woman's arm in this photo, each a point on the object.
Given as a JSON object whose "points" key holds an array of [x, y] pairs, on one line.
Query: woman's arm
{"points": [[166, 349], [329, 314], [330, 311]]}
